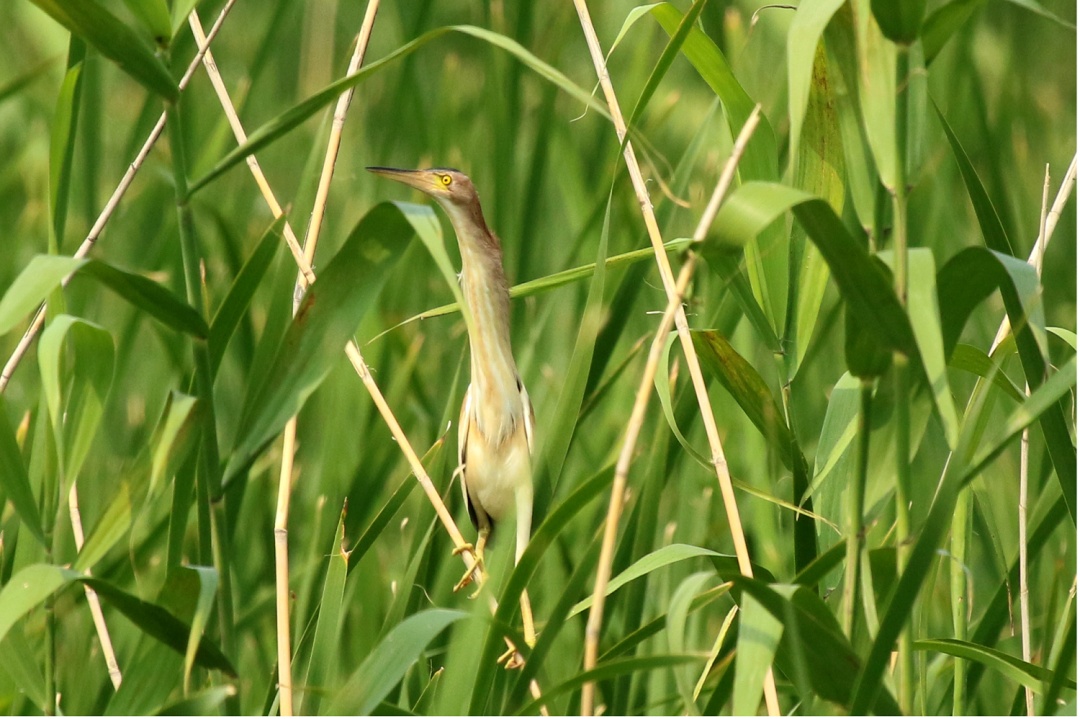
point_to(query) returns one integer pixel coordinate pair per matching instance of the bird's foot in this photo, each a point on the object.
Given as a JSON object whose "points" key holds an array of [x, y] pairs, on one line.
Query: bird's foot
{"points": [[477, 563], [512, 658]]}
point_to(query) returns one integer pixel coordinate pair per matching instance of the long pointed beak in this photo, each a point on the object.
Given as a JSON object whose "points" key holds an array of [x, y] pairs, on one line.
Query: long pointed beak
{"points": [[423, 180]]}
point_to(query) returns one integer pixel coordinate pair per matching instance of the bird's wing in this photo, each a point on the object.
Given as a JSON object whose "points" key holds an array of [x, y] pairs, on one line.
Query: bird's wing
{"points": [[464, 423], [529, 414]]}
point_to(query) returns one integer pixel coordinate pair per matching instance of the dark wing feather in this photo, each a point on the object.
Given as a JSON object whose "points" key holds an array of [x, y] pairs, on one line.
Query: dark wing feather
{"points": [[464, 424]]}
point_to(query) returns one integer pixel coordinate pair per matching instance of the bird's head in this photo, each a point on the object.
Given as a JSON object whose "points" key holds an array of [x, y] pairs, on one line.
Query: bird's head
{"points": [[447, 186]]}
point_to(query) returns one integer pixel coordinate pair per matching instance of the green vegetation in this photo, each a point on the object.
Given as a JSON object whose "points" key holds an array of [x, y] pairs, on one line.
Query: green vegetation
{"points": [[844, 312]]}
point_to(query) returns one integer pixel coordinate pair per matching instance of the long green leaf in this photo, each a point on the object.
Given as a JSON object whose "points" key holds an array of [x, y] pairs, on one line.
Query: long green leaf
{"points": [[655, 560], [905, 591], [208, 702], [389, 660], [1025, 673], [39, 278], [899, 20], [1039, 9], [28, 589], [766, 268], [556, 620], [992, 229], [821, 647], [243, 288], [759, 161], [324, 648], [967, 279], [803, 36], [374, 530], [176, 436], [866, 289], [608, 670], [542, 539], [820, 169], [972, 359], [114, 40], [18, 662], [207, 578], [926, 324], [686, 25], [154, 17], [327, 317], [44, 274], [942, 24], [160, 624], [876, 58], [749, 390], [1045, 399], [148, 296], [62, 142], [678, 612], [753, 396], [110, 529], [556, 443], [15, 481], [76, 390], [290, 119], [759, 638]]}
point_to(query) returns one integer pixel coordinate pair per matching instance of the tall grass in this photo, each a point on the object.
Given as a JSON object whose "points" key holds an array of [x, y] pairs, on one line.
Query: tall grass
{"points": [[872, 341]]}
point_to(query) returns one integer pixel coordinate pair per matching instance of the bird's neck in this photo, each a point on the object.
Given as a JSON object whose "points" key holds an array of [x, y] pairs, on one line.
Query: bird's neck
{"points": [[485, 289]]}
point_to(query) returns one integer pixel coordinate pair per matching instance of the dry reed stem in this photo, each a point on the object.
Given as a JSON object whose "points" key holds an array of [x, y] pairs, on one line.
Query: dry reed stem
{"points": [[241, 137], [719, 462], [281, 554], [1025, 455], [288, 453], [1047, 227], [91, 596], [674, 312], [110, 207]]}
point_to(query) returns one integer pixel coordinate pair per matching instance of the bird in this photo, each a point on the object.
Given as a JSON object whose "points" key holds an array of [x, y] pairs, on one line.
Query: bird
{"points": [[496, 428]]}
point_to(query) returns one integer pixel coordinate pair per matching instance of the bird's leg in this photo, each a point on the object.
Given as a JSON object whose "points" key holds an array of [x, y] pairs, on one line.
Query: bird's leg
{"points": [[527, 619], [512, 658], [524, 501], [477, 563]]}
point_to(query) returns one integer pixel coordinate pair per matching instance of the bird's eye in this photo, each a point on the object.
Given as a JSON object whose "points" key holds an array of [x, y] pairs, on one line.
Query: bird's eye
{"points": [[446, 180]]}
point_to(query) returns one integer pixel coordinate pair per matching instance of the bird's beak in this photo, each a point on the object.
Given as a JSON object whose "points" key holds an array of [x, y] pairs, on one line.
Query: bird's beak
{"points": [[423, 180]]}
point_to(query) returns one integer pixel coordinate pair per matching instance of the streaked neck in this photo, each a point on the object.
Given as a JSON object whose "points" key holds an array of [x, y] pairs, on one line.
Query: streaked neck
{"points": [[484, 286]]}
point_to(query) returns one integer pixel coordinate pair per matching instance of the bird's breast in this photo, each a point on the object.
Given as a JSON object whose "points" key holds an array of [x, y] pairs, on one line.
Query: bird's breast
{"points": [[494, 471]]}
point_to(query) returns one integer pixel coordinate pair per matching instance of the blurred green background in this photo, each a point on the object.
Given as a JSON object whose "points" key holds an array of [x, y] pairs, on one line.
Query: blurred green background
{"points": [[543, 164]]}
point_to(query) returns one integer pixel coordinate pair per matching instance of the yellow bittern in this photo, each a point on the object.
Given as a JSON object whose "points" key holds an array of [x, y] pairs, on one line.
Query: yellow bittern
{"points": [[495, 430]]}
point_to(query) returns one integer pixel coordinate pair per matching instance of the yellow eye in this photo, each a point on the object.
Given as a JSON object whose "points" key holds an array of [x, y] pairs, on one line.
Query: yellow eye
{"points": [[446, 180]]}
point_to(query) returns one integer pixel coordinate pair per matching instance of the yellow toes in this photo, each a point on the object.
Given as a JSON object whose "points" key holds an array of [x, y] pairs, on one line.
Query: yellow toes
{"points": [[467, 578]]}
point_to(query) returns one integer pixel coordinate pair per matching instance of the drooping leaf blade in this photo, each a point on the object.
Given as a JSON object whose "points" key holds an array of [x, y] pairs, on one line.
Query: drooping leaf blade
{"points": [[1024, 673], [115, 40]]}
